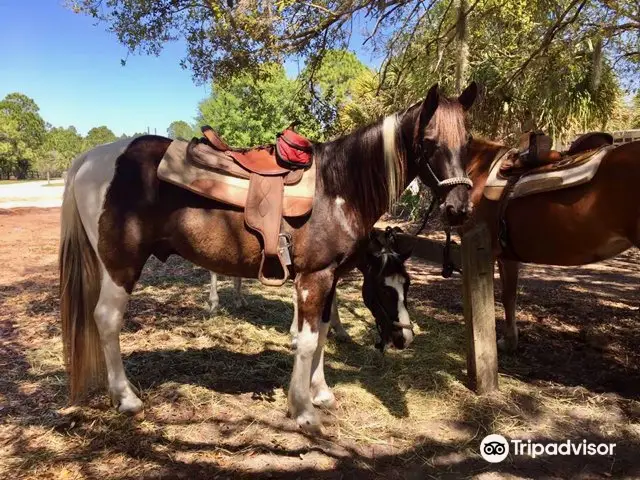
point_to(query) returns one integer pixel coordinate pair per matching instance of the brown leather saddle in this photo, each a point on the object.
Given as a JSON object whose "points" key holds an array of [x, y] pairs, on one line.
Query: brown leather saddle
{"points": [[534, 154], [268, 168]]}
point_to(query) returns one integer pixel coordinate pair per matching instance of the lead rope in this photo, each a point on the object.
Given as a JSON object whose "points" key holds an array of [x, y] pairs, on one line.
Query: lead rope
{"points": [[448, 267]]}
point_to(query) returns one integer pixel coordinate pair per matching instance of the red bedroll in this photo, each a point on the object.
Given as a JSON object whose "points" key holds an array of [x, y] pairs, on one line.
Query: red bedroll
{"points": [[293, 150]]}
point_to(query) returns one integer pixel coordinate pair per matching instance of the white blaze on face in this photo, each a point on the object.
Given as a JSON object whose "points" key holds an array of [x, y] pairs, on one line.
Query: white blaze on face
{"points": [[397, 282]]}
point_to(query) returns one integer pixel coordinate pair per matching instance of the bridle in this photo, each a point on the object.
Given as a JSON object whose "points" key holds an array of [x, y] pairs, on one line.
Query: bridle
{"points": [[440, 187]]}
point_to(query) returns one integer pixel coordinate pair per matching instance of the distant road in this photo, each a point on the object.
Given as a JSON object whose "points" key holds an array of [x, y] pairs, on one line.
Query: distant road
{"points": [[31, 194]]}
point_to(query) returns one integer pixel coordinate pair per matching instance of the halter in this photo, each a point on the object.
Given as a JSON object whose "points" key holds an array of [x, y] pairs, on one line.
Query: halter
{"points": [[447, 183]]}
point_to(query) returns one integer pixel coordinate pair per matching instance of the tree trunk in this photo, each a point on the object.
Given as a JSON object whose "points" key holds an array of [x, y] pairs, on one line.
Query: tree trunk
{"points": [[48, 178], [462, 56], [596, 66]]}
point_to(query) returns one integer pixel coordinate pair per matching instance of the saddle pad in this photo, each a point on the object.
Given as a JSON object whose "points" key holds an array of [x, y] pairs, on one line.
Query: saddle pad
{"points": [[176, 168], [548, 177]]}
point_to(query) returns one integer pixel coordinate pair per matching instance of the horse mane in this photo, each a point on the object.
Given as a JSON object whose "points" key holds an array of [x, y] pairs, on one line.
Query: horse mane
{"points": [[365, 167]]}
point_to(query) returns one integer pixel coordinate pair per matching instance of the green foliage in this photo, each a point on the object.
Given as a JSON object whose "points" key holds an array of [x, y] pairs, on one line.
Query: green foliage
{"points": [[553, 65], [247, 111], [98, 136], [413, 202], [28, 146], [22, 130], [527, 83], [635, 122], [180, 129], [60, 147], [330, 86], [225, 36]]}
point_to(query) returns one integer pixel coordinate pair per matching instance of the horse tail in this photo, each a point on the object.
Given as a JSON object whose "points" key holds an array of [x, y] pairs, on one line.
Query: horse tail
{"points": [[79, 291]]}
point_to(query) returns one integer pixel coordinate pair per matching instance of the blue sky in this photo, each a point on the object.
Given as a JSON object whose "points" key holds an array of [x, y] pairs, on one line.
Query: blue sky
{"points": [[72, 69]]}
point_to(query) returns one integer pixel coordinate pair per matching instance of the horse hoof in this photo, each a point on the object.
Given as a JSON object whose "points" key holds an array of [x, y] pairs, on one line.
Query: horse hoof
{"points": [[241, 303], [507, 346], [130, 405], [325, 399], [343, 337], [212, 307], [310, 423]]}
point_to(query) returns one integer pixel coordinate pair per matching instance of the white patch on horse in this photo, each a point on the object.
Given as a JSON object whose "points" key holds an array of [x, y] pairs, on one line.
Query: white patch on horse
{"points": [[304, 294], [214, 299], [394, 183], [397, 282], [92, 181], [300, 402], [341, 216], [109, 317]]}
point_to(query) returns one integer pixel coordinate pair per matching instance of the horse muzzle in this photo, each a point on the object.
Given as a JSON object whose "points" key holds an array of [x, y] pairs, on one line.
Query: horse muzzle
{"points": [[457, 206]]}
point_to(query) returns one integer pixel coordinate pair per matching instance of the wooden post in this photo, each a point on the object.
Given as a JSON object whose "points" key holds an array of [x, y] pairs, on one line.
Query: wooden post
{"points": [[479, 310]]}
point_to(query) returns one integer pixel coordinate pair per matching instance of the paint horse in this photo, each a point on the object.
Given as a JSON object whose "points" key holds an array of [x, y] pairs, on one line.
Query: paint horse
{"points": [[116, 213], [578, 225]]}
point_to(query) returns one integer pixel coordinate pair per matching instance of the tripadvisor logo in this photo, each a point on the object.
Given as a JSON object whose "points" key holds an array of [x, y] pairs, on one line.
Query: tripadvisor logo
{"points": [[495, 448]]}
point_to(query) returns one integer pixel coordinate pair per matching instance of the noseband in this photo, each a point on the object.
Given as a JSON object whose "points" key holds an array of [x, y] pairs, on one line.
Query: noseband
{"points": [[447, 183]]}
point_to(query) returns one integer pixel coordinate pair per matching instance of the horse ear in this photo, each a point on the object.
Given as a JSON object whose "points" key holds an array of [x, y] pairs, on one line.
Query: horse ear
{"points": [[404, 256], [374, 241], [468, 96], [428, 108]]}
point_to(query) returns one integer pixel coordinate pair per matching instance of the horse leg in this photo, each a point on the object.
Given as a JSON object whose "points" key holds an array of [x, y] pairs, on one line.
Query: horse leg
{"points": [[109, 317], [307, 380], [321, 394], [293, 330], [336, 324], [509, 277], [214, 299], [237, 286]]}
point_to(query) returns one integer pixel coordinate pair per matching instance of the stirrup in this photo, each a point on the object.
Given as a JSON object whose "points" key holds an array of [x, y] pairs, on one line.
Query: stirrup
{"points": [[273, 282], [284, 257]]}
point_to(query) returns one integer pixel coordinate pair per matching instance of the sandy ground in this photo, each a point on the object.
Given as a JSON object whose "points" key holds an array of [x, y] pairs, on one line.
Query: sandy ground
{"points": [[31, 194], [215, 387]]}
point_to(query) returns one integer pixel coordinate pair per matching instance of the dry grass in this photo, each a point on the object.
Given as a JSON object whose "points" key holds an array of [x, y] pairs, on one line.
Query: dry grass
{"points": [[215, 388]]}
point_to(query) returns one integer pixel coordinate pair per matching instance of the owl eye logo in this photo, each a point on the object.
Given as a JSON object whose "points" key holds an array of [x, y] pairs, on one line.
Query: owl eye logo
{"points": [[494, 448]]}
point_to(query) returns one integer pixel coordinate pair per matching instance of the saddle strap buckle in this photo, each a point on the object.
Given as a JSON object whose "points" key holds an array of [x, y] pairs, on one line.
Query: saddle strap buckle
{"points": [[284, 247]]}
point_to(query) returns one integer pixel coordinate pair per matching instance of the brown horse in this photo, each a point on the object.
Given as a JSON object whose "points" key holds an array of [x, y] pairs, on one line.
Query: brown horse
{"points": [[573, 226], [117, 212]]}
